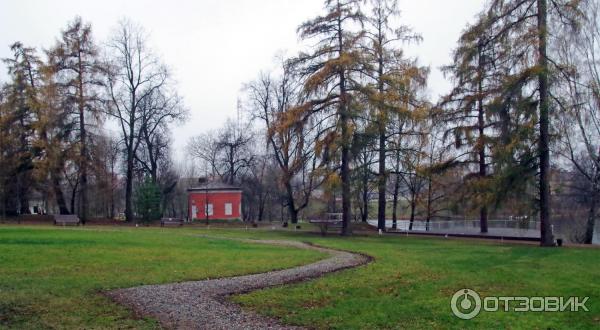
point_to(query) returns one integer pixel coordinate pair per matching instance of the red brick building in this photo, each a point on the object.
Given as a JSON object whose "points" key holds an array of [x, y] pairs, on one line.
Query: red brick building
{"points": [[215, 201]]}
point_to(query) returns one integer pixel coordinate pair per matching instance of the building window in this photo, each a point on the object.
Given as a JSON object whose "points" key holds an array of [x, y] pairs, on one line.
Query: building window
{"points": [[208, 209], [228, 209]]}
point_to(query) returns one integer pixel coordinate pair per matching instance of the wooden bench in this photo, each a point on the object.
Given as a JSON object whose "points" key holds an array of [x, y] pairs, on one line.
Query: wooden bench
{"points": [[171, 222], [332, 221], [66, 219], [325, 225]]}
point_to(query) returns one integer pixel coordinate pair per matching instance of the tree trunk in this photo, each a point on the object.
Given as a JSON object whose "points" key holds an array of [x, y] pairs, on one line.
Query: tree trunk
{"points": [[231, 165], [589, 228], [413, 206], [365, 197], [59, 195], [84, 176], [381, 182], [129, 185], [112, 199], [429, 202], [291, 203], [74, 197], [546, 235], [262, 200], [130, 158], [293, 216], [345, 170], [395, 203], [332, 203], [83, 163], [483, 220], [153, 172], [24, 202], [261, 210], [345, 176]]}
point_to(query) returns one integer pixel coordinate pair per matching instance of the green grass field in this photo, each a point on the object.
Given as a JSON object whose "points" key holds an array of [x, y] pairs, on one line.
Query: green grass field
{"points": [[51, 277]]}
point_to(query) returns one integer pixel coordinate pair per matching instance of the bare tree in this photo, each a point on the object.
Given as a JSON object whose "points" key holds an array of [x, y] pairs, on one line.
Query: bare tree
{"points": [[105, 158], [259, 185], [292, 146], [203, 148], [580, 102], [411, 173], [363, 175], [437, 183], [134, 76], [228, 153], [159, 109]]}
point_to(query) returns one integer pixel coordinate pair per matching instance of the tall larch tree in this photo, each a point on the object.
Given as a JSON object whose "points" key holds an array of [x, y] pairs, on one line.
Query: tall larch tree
{"points": [[20, 108], [329, 69], [76, 63], [466, 109], [523, 28], [384, 64], [409, 111], [54, 145]]}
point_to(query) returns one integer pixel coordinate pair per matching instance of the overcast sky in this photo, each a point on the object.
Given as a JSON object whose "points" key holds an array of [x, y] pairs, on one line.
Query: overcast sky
{"points": [[214, 46]]}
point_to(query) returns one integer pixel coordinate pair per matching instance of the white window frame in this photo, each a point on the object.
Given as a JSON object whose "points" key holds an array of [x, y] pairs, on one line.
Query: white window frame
{"points": [[228, 208], [208, 209], [194, 212]]}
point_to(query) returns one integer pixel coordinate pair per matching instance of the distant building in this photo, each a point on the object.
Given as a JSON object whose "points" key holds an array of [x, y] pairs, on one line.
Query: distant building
{"points": [[38, 203], [214, 201]]}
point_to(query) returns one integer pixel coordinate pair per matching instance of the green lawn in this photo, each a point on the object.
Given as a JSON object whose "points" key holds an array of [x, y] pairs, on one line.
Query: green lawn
{"points": [[50, 277], [412, 280]]}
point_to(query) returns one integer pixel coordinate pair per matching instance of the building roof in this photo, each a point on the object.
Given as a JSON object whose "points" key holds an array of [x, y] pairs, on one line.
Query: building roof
{"points": [[213, 186]]}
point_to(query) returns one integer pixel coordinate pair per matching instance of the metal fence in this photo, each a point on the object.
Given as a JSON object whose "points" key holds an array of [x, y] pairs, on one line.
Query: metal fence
{"points": [[468, 226]]}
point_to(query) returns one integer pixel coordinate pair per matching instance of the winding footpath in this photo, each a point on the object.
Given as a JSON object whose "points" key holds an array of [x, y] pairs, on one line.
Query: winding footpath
{"points": [[204, 304]]}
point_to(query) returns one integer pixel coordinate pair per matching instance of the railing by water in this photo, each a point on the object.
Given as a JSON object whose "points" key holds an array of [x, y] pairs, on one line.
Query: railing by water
{"points": [[517, 228]]}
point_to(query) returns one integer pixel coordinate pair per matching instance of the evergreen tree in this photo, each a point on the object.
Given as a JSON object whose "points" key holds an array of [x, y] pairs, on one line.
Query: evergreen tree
{"points": [[148, 201]]}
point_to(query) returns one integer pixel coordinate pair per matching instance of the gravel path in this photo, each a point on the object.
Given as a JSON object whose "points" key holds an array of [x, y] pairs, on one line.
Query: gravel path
{"points": [[204, 304]]}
